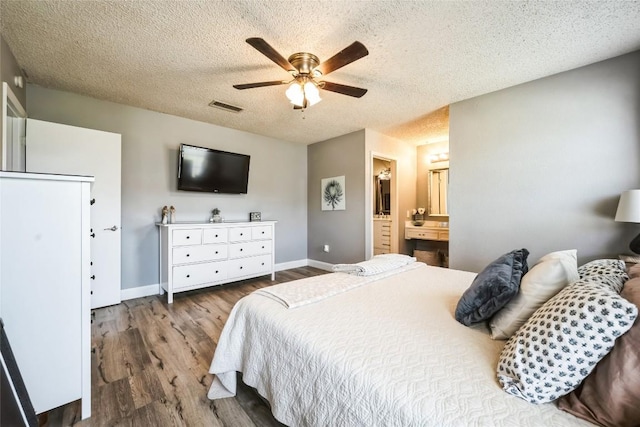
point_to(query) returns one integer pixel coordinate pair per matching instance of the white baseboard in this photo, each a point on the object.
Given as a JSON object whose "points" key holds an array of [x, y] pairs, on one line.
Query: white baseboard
{"points": [[139, 292], [291, 264], [319, 264]]}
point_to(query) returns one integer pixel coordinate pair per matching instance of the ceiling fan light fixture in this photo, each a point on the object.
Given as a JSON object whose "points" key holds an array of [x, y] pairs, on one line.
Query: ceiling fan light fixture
{"points": [[312, 93], [303, 93], [305, 68], [295, 93]]}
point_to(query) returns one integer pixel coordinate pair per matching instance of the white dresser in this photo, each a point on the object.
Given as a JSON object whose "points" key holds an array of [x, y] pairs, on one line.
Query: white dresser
{"points": [[45, 294], [197, 255]]}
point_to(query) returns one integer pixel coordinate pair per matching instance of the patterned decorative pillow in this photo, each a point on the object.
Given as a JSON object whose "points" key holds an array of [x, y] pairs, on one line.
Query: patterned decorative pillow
{"points": [[563, 340], [609, 396], [613, 269]]}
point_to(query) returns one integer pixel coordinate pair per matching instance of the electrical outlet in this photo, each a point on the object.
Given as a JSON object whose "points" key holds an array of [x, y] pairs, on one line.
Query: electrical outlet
{"points": [[326, 248]]}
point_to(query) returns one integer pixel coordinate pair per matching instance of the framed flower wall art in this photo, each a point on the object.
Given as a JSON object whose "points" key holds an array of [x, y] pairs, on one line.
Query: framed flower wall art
{"points": [[332, 195]]}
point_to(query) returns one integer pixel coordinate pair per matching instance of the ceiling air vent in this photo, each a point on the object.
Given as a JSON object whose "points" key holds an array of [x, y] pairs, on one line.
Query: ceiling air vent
{"points": [[226, 107]]}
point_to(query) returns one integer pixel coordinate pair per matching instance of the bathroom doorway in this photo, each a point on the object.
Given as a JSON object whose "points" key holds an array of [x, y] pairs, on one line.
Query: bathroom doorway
{"points": [[384, 205]]}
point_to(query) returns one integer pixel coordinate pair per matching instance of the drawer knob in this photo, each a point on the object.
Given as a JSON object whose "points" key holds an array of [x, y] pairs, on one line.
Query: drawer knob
{"points": [[241, 249], [216, 252], [187, 237], [216, 271], [263, 247], [263, 263], [242, 234], [240, 267], [93, 277], [188, 275], [263, 232], [187, 255], [216, 235]]}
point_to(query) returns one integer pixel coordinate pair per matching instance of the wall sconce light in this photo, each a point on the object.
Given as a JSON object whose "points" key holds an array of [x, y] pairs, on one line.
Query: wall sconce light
{"points": [[440, 157]]}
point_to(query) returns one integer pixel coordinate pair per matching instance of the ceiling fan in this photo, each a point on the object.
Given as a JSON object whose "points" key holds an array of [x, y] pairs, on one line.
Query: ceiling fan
{"points": [[306, 69]]}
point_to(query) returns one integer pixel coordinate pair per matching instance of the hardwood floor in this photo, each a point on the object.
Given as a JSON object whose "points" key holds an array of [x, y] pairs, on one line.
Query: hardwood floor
{"points": [[150, 362]]}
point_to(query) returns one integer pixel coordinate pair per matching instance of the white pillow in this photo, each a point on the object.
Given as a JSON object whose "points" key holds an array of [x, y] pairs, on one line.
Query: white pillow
{"points": [[546, 278]]}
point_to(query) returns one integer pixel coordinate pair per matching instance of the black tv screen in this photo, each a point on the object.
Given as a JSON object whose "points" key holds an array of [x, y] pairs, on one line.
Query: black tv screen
{"points": [[215, 171]]}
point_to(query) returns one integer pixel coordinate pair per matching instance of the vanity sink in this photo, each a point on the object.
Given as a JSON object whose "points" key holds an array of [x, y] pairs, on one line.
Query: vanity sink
{"points": [[429, 230]]}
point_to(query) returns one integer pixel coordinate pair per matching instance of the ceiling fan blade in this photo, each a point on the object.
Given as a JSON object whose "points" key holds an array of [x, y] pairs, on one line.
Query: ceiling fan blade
{"points": [[351, 53], [356, 92], [265, 48], [259, 84]]}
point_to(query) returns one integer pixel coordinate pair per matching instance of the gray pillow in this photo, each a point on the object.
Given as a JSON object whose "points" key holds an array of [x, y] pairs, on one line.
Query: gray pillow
{"points": [[493, 288]]}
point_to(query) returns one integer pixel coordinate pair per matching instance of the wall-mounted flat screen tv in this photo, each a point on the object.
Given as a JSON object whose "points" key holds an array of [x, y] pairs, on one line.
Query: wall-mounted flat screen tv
{"points": [[209, 170]]}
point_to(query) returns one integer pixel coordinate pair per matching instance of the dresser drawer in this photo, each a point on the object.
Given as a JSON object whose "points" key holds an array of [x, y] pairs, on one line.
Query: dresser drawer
{"points": [[196, 274], [426, 234], [259, 233], [240, 234], [382, 234], [249, 266], [214, 235], [187, 237], [185, 254], [241, 250], [411, 233]]}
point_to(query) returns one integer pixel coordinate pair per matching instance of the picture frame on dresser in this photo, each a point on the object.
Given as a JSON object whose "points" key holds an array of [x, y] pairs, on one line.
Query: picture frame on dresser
{"points": [[198, 255]]}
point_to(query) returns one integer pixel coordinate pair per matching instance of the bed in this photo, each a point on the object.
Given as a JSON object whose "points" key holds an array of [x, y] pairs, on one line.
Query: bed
{"points": [[381, 351]]}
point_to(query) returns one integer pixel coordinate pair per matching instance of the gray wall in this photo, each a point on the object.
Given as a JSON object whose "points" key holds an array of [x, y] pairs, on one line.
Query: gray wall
{"points": [[343, 231], [150, 140], [542, 165]]}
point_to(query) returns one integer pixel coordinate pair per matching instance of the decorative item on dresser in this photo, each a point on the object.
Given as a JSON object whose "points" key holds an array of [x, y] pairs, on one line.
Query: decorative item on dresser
{"points": [[197, 255], [165, 215], [44, 283], [215, 215]]}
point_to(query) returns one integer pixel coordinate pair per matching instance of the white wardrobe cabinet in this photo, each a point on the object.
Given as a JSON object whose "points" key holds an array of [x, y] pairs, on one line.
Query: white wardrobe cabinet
{"points": [[44, 284]]}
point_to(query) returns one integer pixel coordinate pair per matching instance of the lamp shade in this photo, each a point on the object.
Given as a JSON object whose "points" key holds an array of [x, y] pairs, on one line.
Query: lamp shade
{"points": [[629, 207]]}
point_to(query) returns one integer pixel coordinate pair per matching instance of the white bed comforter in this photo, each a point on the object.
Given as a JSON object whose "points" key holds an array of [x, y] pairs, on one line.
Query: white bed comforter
{"points": [[388, 353]]}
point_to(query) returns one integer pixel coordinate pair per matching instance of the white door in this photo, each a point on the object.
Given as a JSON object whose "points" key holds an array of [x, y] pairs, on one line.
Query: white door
{"points": [[62, 149]]}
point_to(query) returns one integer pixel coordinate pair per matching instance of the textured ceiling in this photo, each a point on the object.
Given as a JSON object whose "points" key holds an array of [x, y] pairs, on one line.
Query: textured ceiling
{"points": [[177, 56]]}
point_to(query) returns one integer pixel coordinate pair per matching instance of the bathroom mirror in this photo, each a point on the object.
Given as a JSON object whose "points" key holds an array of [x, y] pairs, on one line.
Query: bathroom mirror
{"points": [[383, 196], [437, 200]]}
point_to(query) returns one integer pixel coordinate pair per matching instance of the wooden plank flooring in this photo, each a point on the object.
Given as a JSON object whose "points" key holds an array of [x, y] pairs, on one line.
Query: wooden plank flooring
{"points": [[150, 362]]}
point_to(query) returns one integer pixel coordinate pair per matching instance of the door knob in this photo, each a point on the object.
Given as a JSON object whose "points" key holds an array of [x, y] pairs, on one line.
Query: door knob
{"points": [[114, 228]]}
